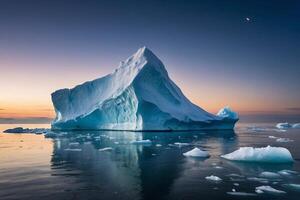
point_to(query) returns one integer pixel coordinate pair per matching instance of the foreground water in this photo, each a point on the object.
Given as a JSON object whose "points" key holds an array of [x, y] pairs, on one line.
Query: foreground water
{"points": [[75, 165]]}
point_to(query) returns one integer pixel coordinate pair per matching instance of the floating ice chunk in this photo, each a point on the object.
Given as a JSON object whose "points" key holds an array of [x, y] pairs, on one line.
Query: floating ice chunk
{"points": [[261, 180], [296, 125], [272, 137], [73, 149], [106, 149], [213, 178], [236, 184], [292, 186], [283, 125], [265, 154], [256, 129], [284, 140], [218, 167], [180, 144], [228, 113], [268, 189], [158, 145], [271, 175], [196, 152], [241, 194], [286, 172], [142, 142], [73, 144], [235, 175]]}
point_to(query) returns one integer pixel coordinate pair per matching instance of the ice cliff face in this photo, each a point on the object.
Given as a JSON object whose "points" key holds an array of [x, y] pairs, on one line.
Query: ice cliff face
{"points": [[138, 95]]}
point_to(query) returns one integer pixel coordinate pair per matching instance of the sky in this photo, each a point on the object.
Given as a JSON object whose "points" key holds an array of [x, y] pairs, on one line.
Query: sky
{"points": [[245, 54]]}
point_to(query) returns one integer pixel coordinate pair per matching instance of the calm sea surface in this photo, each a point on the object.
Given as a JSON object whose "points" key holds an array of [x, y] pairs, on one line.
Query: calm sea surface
{"points": [[72, 167]]}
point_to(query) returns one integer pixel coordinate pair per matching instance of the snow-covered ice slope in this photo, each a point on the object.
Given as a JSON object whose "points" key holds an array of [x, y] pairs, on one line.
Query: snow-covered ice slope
{"points": [[138, 95]]}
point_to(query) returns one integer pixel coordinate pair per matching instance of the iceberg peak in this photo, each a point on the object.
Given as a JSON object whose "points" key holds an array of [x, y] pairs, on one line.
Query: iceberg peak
{"points": [[138, 95]]}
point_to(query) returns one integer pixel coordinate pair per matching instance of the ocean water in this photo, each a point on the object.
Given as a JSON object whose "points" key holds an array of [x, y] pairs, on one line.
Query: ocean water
{"points": [[72, 166]]}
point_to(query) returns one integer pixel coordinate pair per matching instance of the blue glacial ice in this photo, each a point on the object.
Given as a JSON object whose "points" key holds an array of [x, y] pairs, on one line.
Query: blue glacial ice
{"points": [[264, 155], [139, 95]]}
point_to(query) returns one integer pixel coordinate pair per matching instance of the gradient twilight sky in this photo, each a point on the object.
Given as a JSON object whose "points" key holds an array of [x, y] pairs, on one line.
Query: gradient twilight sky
{"points": [[214, 54]]}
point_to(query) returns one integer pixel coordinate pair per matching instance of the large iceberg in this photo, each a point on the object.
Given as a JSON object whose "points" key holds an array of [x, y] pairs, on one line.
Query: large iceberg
{"points": [[139, 95], [264, 155]]}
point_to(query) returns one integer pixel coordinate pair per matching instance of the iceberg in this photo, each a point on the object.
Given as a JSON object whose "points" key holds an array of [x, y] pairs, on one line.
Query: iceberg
{"points": [[138, 96], [283, 125], [268, 189], [265, 155], [213, 178], [196, 152]]}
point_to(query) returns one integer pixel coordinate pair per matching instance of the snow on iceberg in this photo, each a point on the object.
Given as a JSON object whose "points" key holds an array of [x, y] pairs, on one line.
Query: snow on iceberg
{"points": [[265, 154], [228, 113], [196, 152], [138, 95], [283, 125]]}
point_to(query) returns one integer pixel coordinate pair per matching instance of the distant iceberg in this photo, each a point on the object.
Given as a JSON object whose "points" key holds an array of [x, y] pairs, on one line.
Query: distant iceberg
{"points": [[265, 155], [283, 125], [196, 152], [139, 95]]}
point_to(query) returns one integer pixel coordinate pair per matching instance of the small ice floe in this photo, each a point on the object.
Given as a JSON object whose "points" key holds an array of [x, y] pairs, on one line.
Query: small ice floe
{"points": [[218, 167], [105, 149], [256, 129], [257, 179], [213, 178], [196, 152], [142, 142], [272, 137], [235, 175], [292, 186], [296, 125], [286, 172], [73, 149], [264, 155], [236, 184], [284, 140], [269, 175], [268, 189], [241, 194], [180, 144], [158, 145], [73, 144], [283, 125]]}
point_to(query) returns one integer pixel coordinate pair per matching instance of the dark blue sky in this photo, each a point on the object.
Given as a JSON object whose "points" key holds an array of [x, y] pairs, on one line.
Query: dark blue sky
{"points": [[209, 48]]}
